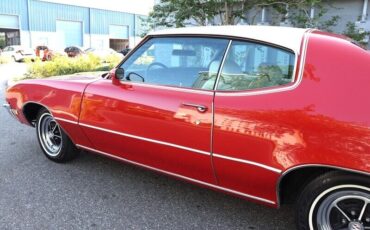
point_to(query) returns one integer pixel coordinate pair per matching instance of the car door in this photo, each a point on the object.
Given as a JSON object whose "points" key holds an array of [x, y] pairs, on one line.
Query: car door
{"points": [[160, 114], [253, 133]]}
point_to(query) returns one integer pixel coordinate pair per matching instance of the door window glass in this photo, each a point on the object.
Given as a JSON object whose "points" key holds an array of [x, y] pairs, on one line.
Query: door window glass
{"points": [[189, 62], [251, 65]]}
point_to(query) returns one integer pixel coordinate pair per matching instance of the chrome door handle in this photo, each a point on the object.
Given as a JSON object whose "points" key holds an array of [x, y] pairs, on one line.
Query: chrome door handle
{"points": [[200, 108]]}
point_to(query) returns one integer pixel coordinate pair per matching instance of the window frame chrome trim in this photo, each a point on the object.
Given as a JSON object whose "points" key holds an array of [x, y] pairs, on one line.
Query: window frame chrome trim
{"points": [[221, 67], [173, 88], [293, 85], [179, 176]]}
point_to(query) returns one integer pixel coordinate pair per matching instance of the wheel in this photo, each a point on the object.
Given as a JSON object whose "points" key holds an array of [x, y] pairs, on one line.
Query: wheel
{"points": [[335, 201], [14, 59], [53, 141]]}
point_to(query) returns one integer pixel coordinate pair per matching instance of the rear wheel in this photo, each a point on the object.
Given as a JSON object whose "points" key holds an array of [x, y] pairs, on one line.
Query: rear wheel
{"points": [[54, 142], [335, 201]]}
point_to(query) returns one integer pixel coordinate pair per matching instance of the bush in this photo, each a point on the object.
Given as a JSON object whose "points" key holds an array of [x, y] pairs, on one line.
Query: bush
{"points": [[62, 65]]}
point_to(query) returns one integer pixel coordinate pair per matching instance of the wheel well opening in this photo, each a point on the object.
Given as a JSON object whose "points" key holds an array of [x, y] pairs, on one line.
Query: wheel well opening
{"points": [[294, 182], [31, 111]]}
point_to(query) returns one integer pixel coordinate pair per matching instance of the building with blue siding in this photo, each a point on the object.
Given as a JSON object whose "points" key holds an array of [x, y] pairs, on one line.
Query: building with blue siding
{"points": [[53, 23]]}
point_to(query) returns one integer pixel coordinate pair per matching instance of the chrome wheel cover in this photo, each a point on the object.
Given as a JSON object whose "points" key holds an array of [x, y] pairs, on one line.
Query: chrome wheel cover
{"points": [[50, 135], [347, 208]]}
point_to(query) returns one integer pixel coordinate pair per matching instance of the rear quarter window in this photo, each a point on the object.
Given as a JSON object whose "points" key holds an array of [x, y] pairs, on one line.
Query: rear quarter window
{"points": [[250, 66]]}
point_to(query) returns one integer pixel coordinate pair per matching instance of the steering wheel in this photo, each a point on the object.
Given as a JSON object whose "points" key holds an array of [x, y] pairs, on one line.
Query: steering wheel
{"points": [[154, 64]]}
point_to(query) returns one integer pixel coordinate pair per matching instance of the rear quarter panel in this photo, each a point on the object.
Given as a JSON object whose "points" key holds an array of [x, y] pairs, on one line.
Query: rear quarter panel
{"points": [[325, 120]]}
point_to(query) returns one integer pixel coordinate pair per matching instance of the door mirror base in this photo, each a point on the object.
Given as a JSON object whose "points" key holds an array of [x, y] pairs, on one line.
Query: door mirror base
{"points": [[117, 75]]}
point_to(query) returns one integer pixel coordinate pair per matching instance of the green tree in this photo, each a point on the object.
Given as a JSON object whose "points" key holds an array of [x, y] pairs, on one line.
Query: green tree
{"points": [[176, 13], [358, 36], [300, 14], [179, 13]]}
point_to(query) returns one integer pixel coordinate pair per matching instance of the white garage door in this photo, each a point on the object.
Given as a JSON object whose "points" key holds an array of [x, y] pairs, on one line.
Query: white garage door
{"points": [[118, 32], [9, 21], [69, 33]]}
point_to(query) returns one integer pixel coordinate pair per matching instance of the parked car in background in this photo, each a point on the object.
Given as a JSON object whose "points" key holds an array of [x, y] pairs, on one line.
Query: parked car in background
{"points": [[73, 51], [104, 53], [125, 51], [18, 53], [269, 114], [47, 54], [43, 52]]}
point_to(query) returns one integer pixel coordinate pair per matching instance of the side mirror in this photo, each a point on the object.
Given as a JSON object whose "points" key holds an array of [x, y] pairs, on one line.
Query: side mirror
{"points": [[119, 73], [116, 75]]}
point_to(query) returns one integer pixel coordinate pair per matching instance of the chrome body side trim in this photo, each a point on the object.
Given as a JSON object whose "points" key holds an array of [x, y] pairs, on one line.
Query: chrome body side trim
{"points": [[180, 176], [66, 120], [147, 139], [10, 111], [183, 148], [248, 162]]}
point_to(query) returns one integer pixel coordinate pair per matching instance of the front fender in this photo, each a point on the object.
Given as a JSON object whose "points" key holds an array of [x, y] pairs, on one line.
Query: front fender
{"points": [[62, 98]]}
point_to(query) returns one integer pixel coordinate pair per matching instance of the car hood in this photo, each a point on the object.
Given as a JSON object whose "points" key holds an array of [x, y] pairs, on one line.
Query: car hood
{"points": [[80, 79], [76, 83]]}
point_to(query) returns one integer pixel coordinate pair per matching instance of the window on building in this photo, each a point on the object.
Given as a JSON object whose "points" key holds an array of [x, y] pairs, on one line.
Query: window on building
{"points": [[251, 65]]}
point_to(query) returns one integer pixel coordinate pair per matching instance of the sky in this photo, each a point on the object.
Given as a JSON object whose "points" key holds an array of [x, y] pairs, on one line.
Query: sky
{"points": [[131, 6]]}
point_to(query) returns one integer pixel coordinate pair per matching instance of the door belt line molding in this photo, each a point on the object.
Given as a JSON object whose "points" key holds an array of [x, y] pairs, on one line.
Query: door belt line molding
{"points": [[179, 176], [175, 146]]}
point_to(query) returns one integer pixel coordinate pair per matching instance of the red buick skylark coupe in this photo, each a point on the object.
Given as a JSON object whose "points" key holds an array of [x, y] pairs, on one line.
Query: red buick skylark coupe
{"points": [[270, 114]]}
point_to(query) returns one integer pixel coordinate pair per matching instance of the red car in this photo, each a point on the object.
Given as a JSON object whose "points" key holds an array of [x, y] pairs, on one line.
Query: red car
{"points": [[273, 115], [43, 52]]}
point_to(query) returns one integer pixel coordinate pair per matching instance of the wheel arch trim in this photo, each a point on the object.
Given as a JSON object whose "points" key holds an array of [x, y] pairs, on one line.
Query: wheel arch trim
{"points": [[319, 166], [36, 103]]}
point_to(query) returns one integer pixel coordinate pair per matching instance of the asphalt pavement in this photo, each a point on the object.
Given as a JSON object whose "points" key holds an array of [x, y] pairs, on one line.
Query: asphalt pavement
{"points": [[94, 192]]}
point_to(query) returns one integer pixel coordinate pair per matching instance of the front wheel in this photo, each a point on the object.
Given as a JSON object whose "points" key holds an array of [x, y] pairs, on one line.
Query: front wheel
{"points": [[335, 201], [54, 142]]}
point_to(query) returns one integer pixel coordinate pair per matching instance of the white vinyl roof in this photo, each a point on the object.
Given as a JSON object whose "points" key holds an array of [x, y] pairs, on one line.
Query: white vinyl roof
{"points": [[288, 37]]}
